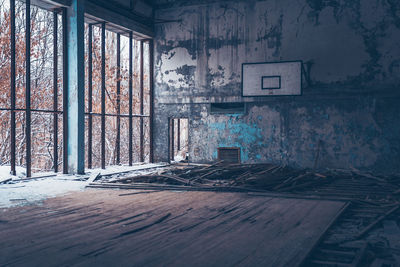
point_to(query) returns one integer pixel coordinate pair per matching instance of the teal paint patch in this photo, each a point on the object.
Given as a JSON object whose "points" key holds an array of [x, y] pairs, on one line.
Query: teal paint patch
{"points": [[217, 126], [244, 155], [215, 155], [249, 134], [234, 133]]}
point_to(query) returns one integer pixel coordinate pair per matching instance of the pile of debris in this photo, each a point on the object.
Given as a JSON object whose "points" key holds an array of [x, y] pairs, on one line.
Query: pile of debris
{"points": [[219, 176], [260, 178], [354, 239]]}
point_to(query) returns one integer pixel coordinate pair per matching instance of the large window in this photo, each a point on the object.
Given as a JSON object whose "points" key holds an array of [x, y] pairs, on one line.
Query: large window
{"points": [[33, 84], [30, 87], [117, 98]]}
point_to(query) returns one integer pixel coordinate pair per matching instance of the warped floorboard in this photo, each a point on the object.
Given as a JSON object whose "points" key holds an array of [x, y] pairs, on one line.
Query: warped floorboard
{"points": [[117, 228]]}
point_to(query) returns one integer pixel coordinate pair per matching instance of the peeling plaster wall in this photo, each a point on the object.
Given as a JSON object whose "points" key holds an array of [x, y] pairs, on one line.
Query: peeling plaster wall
{"points": [[349, 109]]}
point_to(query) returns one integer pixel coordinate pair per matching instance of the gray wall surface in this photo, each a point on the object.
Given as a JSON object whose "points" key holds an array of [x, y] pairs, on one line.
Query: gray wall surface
{"points": [[349, 109]]}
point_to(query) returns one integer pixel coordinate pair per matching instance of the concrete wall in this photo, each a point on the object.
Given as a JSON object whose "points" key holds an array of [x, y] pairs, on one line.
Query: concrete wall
{"points": [[351, 80]]}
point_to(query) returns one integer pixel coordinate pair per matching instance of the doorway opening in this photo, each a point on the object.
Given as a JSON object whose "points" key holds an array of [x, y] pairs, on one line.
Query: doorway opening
{"points": [[178, 139]]}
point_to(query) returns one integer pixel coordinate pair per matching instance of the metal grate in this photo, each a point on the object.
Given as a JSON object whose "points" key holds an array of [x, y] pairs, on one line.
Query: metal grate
{"points": [[229, 154]]}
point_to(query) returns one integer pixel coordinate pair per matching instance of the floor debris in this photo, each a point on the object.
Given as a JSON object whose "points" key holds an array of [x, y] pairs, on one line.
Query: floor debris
{"points": [[363, 234], [350, 241]]}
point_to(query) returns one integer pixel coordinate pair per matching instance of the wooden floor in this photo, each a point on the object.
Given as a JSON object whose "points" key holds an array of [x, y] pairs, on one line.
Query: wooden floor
{"points": [[117, 228]]}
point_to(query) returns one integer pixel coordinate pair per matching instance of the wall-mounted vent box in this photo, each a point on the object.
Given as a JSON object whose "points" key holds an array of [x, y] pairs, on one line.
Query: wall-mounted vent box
{"points": [[229, 154], [227, 108], [271, 78]]}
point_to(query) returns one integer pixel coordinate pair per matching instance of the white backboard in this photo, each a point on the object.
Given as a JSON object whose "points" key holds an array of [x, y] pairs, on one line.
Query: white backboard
{"points": [[275, 78]]}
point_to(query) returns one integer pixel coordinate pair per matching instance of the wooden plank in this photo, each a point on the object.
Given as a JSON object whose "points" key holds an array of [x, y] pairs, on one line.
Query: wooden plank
{"points": [[378, 220], [4, 180], [93, 177], [156, 186]]}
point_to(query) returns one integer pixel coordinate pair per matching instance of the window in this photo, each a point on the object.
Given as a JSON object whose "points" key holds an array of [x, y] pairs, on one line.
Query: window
{"points": [[117, 96], [31, 84]]}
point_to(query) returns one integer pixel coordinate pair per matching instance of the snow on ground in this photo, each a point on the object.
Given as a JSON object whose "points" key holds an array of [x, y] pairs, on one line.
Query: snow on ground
{"points": [[27, 191], [5, 172], [179, 158], [138, 166], [144, 170], [22, 191]]}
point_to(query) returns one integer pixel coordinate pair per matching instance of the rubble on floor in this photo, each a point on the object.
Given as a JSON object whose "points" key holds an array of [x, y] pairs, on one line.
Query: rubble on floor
{"points": [[260, 178], [363, 234]]}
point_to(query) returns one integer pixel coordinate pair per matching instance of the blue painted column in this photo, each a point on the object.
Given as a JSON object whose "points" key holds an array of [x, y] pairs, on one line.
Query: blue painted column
{"points": [[76, 87]]}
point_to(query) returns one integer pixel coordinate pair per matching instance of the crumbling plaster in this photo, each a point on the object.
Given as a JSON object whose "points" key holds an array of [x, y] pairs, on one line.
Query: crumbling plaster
{"points": [[349, 109]]}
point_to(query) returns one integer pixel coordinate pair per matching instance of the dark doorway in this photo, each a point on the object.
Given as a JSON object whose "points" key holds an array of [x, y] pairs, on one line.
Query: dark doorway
{"points": [[178, 139]]}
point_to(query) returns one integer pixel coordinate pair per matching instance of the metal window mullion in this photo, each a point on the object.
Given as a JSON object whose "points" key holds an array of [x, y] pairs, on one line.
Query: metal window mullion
{"points": [[65, 91], [12, 88], [130, 99], [172, 139], [90, 96], [141, 135], [103, 95], [151, 85], [178, 135], [118, 98], [169, 140], [28, 87], [55, 90]]}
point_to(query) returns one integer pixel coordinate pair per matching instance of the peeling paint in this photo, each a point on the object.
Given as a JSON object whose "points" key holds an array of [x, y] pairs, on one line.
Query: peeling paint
{"points": [[349, 108]]}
